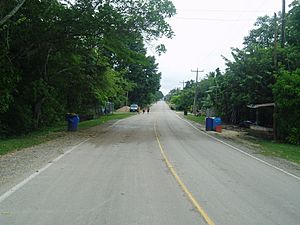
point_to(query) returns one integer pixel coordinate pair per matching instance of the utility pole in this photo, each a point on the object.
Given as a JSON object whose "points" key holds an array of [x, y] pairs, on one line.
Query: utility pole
{"points": [[196, 89], [275, 69], [182, 82], [275, 42], [283, 38]]}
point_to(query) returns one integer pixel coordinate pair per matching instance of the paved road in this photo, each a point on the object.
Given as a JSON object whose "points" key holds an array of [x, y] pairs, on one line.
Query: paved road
{"points": [[120, 177]]}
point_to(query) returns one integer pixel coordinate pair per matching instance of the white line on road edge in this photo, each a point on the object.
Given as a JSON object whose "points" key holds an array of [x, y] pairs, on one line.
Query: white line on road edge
{"points": [[241, 151], [21, 184]]}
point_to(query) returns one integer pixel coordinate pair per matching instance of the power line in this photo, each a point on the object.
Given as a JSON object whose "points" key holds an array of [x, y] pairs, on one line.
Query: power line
{"points": [[225, 11], [213, 19]]}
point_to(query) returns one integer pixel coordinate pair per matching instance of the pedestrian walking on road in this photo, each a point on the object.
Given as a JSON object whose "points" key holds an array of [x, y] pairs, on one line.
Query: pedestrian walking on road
{"points": [[148, 109]]}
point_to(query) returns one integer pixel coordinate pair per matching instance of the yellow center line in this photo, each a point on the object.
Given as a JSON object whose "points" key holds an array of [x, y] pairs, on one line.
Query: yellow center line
{"points": [[195, 203]]}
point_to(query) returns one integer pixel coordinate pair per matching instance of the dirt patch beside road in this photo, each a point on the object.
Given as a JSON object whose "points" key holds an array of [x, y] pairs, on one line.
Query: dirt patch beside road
{"points": [[17, 165], [239, 138], [124, 109]]}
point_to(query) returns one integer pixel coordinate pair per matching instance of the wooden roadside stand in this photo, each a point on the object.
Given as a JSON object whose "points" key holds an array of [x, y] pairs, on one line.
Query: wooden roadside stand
{"points": [[256, 107]]}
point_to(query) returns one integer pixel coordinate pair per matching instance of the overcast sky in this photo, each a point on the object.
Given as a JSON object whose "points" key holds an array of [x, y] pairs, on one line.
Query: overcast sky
{"points": [[206, 30]]}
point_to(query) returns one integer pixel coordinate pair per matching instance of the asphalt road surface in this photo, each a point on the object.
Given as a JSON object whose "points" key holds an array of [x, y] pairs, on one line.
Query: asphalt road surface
{"points": [[153, 169]]}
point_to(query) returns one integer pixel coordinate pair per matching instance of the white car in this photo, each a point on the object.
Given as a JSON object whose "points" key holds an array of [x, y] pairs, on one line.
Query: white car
{"points": [[134, 108]]}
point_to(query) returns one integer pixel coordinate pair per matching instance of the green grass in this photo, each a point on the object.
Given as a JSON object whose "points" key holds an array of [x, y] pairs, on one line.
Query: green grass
{"points": [[198, 119], [285, 151], [103, 119], [50, 133]]}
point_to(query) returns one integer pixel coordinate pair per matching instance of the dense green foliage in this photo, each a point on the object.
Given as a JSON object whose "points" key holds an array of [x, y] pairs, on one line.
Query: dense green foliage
{"points": [[74, 56], [261, 72], [287, 96]]}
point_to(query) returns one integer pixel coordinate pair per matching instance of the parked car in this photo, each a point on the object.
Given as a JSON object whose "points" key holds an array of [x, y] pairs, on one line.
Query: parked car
{"points": [[134, 108]]}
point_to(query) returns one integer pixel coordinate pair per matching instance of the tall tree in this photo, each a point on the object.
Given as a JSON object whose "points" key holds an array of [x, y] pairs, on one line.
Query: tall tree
{"points": [[60, 56]]}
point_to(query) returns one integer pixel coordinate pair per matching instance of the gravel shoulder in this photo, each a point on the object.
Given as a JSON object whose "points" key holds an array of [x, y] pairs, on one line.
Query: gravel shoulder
{"points": [[18, 165], [240, 140]]}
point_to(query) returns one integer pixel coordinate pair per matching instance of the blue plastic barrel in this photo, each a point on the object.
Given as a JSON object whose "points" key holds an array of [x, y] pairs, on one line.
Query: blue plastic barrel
{"points": [[73, 121], [216, 122], [209, 123]]}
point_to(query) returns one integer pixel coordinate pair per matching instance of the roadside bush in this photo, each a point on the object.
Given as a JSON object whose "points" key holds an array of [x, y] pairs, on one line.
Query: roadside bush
{"points": [[294, 136], [17, 120], [287, 97]]}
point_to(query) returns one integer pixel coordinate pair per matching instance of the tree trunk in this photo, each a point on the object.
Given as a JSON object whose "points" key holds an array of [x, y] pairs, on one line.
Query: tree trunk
{"points": [[13, 12], [233, 116], [37, 111]]}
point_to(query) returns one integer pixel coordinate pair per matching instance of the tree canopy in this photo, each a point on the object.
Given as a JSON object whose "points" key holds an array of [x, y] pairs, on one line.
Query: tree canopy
{"points": [[260, 72], [74, 56]]}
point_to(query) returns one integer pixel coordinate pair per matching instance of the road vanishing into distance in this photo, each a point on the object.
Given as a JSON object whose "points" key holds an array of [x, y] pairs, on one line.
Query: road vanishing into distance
{"points": [[154, 169]]}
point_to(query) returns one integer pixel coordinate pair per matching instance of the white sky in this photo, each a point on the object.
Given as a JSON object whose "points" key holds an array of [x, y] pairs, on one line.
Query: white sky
{"points": [[204, 31]]}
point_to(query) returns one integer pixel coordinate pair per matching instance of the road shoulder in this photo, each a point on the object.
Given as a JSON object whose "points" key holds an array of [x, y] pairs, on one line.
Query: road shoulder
{"points": [[18, 165], [248, 147]]}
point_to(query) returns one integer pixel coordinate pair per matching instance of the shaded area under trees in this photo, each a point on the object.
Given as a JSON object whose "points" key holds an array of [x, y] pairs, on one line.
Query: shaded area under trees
{"points": [[74, 56]]}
